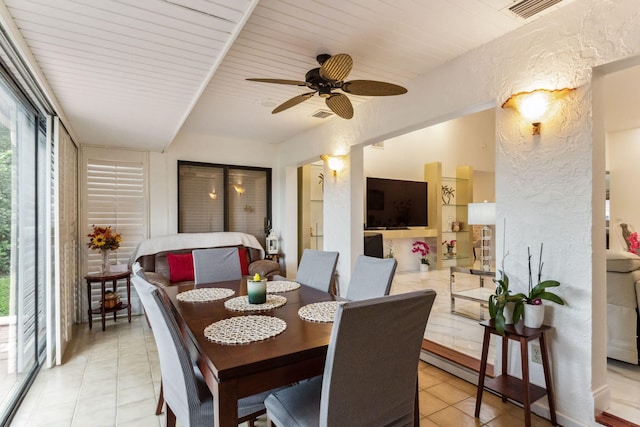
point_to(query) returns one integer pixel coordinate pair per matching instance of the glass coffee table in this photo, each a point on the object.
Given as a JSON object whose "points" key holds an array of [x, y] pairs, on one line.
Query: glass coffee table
{"points": [[468, 289]]}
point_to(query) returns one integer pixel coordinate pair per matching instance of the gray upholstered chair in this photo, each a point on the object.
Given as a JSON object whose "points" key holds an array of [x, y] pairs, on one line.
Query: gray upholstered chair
{"points": [[370, 374], [216, 265], [371, 278], [317, 269], [187, 397]]}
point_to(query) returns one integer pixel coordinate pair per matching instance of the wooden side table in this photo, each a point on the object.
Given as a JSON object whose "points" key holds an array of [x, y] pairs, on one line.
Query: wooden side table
{"points": [[102, 310], [519, 390]]}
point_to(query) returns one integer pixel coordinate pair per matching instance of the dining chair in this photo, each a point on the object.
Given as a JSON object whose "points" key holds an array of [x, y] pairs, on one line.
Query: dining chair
{"points": [[370, 373], [137, 269], [216, 265], [371, 278], [317, 269], [187, 397]]}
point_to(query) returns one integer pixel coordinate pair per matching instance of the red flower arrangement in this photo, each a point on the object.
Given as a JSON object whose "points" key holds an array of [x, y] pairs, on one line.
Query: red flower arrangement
{"points": [[420, 247], [103, 238], [450, 243]]}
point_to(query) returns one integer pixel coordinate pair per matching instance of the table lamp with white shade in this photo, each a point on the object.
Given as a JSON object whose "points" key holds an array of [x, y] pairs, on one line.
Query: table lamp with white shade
{"points": [[483, 214]]}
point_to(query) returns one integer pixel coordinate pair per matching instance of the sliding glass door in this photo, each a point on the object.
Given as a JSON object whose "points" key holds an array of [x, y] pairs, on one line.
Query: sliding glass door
{"points": [[23, 148]]}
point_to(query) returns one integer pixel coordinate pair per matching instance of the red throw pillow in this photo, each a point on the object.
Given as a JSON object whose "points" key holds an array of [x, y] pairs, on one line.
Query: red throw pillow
{"points": [[244, 261], [180, 267]]}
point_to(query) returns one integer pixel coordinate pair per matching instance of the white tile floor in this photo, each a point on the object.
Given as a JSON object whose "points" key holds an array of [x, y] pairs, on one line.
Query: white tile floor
{"points": [[453, 331], [112, 378]]}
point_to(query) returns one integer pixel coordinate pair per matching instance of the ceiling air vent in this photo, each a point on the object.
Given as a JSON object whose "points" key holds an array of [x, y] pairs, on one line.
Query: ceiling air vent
{"points": [[322, 114], [528, 8]]}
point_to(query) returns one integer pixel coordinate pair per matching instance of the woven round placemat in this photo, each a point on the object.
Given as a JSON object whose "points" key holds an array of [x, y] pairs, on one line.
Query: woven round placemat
{"points": [[241, 303], [204, 294], [319, 311], [244, 329], [277, 286]]}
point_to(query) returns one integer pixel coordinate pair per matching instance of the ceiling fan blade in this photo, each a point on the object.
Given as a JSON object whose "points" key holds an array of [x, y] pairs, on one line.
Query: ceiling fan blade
{"points": [[336, 68], [372, 88], [340, 104], [280, 81], [292, 102]]}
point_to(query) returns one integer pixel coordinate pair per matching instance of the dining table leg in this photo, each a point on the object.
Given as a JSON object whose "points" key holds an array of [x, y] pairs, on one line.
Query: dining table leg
{"points": [[225, 404]]}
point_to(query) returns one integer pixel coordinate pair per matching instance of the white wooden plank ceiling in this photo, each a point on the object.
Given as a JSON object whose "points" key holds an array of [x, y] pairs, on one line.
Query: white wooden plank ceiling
{"points": [[136, 73]]}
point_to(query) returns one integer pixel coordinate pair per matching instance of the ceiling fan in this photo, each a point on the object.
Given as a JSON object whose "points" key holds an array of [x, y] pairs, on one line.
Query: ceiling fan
{"points": [[329, 76]]}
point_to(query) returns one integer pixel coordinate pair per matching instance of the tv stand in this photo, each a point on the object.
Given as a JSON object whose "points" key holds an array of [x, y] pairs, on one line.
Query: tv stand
{"points": [[406, 233], [397, 228]]}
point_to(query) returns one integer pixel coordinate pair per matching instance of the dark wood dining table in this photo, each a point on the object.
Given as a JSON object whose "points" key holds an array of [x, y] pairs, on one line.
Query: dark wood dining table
{"points": [[235, 371]]}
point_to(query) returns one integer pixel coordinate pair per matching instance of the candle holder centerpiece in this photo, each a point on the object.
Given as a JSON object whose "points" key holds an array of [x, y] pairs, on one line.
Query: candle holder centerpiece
{"points": [[257, 289]]}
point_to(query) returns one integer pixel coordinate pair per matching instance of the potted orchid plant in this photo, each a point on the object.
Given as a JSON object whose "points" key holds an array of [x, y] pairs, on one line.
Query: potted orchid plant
{"points": [[530, 305], [422, 248]]}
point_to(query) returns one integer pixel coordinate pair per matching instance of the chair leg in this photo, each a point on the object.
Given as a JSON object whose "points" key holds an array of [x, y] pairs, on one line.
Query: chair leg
{"points": [[416, 407], [160, 401], [171, 417]]}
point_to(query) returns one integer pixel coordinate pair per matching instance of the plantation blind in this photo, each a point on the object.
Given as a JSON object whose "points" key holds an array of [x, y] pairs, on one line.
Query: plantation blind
{"points": [[201, 199], [115, 195], [248, 202], [66, 237]]}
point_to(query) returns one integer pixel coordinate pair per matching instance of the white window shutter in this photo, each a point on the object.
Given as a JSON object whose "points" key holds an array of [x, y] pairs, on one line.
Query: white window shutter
{"points": [[115, 192]]}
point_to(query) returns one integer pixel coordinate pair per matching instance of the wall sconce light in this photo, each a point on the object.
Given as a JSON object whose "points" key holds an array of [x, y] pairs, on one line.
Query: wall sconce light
{"points": [[335, 163], [536, 105], [239, 189], [213, 195]]}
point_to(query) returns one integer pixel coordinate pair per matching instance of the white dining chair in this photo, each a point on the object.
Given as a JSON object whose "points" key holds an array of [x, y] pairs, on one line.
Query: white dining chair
{"points": [[317, 269], [370, 373], [216, 265], [371, 277], [187, 397]]}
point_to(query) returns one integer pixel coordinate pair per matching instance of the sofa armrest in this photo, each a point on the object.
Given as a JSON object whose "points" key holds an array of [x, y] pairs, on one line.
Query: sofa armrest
{"points": [[264, 267], [157, 279]]}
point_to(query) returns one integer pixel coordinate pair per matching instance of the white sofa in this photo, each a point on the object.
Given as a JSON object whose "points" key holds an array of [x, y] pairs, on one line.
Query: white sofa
{"points": [[152, 253], [623, 300]]}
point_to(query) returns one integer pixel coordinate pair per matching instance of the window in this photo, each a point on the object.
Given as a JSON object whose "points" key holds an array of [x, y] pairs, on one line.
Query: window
{"points": [[223, 198], [115, 195]]}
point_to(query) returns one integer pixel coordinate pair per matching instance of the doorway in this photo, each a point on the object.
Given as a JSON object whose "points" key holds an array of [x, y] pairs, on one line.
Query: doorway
{"points": [[465, 141], [617, 118]]}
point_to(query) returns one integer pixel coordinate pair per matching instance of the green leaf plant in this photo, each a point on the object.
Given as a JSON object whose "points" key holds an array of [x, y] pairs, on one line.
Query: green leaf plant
{"points": [[537, 293], [499, 300]]}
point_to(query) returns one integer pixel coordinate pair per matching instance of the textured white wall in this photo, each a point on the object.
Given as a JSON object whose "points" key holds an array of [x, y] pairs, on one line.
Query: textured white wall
{"points": [[544, 184]]}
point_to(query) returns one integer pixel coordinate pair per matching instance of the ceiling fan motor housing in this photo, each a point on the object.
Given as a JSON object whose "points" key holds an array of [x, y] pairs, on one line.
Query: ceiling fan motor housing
{"points": [[330, 75]]}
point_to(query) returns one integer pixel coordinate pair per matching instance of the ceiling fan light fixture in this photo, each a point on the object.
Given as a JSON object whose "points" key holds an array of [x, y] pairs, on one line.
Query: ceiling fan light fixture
{"points": [[324, 91], [330, 75]]}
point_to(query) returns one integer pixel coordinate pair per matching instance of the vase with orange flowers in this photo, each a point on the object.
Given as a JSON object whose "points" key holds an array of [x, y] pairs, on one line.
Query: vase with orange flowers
{"points": [[104, 239]]}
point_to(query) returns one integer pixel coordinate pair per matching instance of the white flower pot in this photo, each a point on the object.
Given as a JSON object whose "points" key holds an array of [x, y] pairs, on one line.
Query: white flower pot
{"points": [[533, 315], [508, 313], [424, 267]]}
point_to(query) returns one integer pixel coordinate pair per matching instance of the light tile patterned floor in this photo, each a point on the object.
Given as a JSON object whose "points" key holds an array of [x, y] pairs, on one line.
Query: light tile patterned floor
{"points": [[112, 378], [465, 335]]}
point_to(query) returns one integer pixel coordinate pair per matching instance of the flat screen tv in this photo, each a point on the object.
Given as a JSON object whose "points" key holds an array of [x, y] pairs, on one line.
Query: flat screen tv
{"points": [[394, 203]]}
